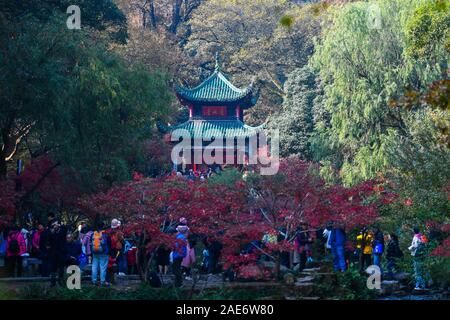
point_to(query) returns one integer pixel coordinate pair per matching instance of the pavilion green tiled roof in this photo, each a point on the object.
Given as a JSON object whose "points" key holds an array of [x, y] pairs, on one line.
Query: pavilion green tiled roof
{"points": [[216, 88], [205, 129]]}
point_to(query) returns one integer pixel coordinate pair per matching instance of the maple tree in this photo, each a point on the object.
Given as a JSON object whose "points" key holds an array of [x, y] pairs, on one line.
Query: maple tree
{"points": [[236, 215]]}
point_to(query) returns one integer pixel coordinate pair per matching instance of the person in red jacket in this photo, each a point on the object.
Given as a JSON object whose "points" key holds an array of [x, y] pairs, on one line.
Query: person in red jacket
{"points": [[15, 248]]}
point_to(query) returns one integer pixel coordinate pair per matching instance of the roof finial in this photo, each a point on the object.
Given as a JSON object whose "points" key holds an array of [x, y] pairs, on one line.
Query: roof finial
{"points": [[217, 67]]}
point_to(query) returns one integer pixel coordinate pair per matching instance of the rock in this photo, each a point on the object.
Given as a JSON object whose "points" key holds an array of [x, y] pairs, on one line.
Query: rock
{"points": [[388, 287]]}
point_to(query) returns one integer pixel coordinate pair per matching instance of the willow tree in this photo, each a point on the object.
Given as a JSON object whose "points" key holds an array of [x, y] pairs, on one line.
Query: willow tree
{"points": [[363, 62]]}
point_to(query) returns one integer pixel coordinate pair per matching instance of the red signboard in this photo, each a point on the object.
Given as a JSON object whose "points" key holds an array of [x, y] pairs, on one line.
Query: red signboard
{"points": [[214, 111]]}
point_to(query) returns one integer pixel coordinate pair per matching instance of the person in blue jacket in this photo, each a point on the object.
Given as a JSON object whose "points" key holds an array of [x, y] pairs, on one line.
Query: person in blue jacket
{"points": [[179, 252], [337, 242]]}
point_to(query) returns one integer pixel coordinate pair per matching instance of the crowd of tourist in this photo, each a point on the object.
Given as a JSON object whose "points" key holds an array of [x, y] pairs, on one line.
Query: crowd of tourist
{"points": [[107, 252]]}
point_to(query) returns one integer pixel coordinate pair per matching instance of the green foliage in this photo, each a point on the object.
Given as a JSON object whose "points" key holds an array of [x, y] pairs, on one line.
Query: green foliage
{"points": [[228, 177], [363, 68], [428, 29], [98, 15], [301, 109], [143, 292], [351, 285], [67, 94]]}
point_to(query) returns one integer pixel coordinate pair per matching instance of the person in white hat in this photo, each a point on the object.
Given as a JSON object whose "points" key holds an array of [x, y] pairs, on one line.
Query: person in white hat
{"points": [[179, 253], [115, 223]]}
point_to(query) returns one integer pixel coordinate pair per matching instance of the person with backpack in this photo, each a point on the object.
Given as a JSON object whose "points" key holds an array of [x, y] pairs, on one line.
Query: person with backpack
{"points": [[179, 252], [100, 248], [15, 248], [378, 247], [417, 249], [364, 248], [337, 241], [393, 253]]}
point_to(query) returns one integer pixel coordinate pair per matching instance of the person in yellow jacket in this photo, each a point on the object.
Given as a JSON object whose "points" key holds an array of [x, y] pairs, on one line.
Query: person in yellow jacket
{"points": [[364, 241]]}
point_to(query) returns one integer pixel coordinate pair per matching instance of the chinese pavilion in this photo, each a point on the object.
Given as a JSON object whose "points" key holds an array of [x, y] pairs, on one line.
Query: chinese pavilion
{"points": [[216, 109]]}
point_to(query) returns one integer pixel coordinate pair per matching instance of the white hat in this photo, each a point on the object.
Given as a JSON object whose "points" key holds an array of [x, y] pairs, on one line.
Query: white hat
{"points": [[115, 223]]}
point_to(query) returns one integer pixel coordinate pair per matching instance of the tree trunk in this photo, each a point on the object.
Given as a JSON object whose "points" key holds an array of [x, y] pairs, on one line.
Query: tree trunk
{"points": [[278, 265], [152, 14], [176, 16]]}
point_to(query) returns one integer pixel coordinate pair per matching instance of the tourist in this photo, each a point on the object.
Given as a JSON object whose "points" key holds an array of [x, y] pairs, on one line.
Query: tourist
{"points": [[378, 247], [44, 245], [327, 236], [36, 240], [393, 253], [189, 259], [131, 254], [117, 246], [56, 248], [15, 248], [337, 241], [191, 175], [416, 248], [85, 238], [73, 250], [3, 245], [364, 248], [100, 248], [301, 241], [214, 250], [205, 254], [162, 257], [179, 252]]}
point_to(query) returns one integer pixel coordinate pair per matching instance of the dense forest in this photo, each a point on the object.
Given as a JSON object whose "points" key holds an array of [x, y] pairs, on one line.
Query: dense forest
{"points": [[358, 88]]}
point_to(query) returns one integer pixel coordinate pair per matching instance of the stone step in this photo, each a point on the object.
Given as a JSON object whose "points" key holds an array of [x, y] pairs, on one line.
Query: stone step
{"points": [[311, 270], [305, 279]]}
